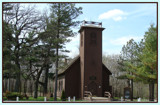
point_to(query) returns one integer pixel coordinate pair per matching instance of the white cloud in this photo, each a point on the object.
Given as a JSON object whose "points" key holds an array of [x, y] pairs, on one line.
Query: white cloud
{"points": [[117, 18], [115, 14], [73, 46], [124, 40]]}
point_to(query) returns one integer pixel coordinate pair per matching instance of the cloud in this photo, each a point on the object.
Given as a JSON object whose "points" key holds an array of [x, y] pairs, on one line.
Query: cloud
{"points": [[115, 14], [117, 18], [73, 46], [118, 15], [124, 40]]}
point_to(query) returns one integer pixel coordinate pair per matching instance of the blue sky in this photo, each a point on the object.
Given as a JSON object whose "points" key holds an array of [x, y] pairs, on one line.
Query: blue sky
{"points": [[122, 21]]}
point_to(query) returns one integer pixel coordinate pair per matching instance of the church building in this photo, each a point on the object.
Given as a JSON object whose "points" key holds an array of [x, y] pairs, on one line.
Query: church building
{"points": [[86, 72]]}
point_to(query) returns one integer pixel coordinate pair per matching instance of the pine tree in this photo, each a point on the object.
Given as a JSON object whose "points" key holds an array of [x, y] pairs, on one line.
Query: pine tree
{"points": [[144, 67], [23, 21], [8, 41], [62, 18], [148, 68], [128, 56]]}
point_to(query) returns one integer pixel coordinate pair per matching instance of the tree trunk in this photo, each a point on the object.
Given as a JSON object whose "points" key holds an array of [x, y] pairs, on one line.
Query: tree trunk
{"points": [[36, 83], [3, 81], [40, 91], [46, 80], [57, 59], [36, 89], [18, 75], [131, 89], [31, 88], [151, 91], [25, 84], [55, 91], [9, 84]]}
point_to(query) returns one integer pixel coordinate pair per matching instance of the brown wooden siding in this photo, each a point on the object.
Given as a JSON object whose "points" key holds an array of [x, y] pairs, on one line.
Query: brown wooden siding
{"points": [[105, 81], [72, 80]]}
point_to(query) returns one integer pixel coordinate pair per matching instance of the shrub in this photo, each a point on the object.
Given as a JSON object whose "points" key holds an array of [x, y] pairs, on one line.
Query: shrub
{"points": [[63, 96], [13, 95], [51, 95]]}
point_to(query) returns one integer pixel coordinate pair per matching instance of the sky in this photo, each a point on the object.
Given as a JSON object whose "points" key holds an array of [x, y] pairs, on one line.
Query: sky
{"points": [[122, 21]]}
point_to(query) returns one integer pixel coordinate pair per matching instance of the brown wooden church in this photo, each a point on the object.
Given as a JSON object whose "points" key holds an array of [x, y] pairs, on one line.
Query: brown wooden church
{"points": [[87, 71]]}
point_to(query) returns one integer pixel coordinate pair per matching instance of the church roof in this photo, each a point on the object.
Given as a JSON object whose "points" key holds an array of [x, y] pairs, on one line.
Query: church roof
{"points": [[62, 71]]}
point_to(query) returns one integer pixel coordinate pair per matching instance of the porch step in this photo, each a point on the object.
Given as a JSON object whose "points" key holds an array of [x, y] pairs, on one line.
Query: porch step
{"points": [[97, 99]]}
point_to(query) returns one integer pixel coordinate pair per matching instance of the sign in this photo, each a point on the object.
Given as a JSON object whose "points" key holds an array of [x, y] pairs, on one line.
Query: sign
{"points": [[127, 93], [92, 78]]}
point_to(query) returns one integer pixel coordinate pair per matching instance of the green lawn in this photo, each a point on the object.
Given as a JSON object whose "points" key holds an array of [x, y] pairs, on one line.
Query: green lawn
{"points": [[38, 99], [34, 99], [58, 99]]}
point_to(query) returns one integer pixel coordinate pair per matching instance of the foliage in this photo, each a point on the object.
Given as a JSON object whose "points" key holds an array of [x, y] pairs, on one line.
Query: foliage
{"points": [[31, 41], [8, 42], [13, 95], [19, 21], [142, 65], [62, 20], [63, 96], [117, 84], [127, 56], [60, 23], [145, 68]]}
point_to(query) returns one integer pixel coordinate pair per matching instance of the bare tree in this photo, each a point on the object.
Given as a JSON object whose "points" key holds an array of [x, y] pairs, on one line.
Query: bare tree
{"points": [[117, 85], [24, 20]]}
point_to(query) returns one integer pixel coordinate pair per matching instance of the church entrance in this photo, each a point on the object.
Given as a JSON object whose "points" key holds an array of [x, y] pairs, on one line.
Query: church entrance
{"points": [[92, 87]]}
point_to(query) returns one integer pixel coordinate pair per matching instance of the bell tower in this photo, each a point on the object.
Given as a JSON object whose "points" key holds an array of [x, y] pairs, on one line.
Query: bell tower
{"points": [[91, 58]]}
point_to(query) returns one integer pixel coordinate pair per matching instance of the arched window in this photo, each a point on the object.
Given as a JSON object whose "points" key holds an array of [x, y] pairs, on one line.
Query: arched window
{"points": [[81, 39], [93, 38]]}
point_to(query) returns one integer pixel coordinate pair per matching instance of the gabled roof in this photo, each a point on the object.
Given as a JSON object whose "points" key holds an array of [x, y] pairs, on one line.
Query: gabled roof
{"points": [[62, 71], [108, 71]]}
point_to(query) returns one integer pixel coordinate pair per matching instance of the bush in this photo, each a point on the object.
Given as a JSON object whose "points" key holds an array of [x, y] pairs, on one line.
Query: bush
{"points": [[63, 96], [51, 95], [13, 95]]}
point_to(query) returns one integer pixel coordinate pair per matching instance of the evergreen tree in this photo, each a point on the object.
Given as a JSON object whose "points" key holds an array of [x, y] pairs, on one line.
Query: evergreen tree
{"points": [[146, 70], [23, 21], [62, 18], [8, 41], [128, 56], [144, 64]]}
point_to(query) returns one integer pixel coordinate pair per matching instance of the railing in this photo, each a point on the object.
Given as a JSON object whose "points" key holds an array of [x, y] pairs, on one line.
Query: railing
{"points": [[107, 94], [92, 22], [88, 94]]}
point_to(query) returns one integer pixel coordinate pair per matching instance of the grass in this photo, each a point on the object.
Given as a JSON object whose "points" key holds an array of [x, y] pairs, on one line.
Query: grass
{"points": [[58, 99], [33, 99], [36, 99]]}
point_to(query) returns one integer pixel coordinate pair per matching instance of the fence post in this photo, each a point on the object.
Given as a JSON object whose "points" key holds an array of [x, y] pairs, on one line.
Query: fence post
{"points": [[139, 99], [69, 99], [121, 98], [74, 98], [17, 98], [45, 99]]}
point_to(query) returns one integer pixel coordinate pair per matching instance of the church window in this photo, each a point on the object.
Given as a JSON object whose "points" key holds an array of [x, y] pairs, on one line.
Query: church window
{"points": [[81, 39], [93, 38], [60, 85]]}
